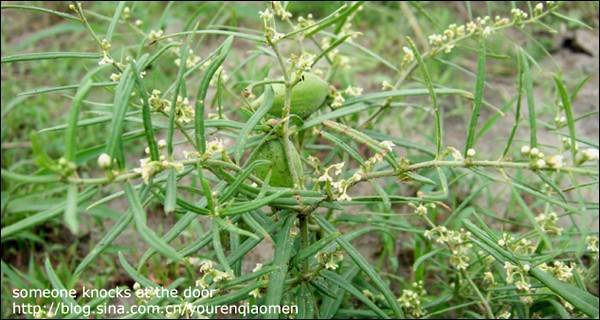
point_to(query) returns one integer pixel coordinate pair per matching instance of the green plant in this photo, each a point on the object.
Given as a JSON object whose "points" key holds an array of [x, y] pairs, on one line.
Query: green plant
{"points": [[286, 169]]}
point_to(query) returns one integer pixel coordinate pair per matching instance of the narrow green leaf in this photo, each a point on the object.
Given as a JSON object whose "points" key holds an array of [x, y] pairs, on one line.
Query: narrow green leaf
{"points": [[217, 246], [229, 226], [146, 115], [49, 56], [138, 277], [39, 9], [251, 205], [240, 145], [513, 131], [566, 102], [140, 222], [71, 219], [202, 91], [528, 83], [121, 103], [342, 283], [283, 249], [315, 247], [479, 86], [438, 131], [115, 20], [171, 191], [580, 299]]}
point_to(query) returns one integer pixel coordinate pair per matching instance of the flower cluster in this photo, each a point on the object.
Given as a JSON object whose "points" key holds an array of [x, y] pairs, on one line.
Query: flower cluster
{"points": [[302, 63], [548, 223], [522, 246], [268, 18], [407, 57], [538, 160], [586, 155], [339, 97], [411, 299], [281, 11], [155, 35], [190, 61], [457, 241], [592, 245], [337, 189], [559, 269], [334, 55], [184, 112], [65, 167], [149, 168], [385, 147], [518, 276], [330, 260], [210, 274], [480, 26], [212, 147]]}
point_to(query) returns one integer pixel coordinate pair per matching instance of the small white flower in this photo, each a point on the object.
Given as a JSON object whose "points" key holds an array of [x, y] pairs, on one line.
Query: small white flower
{"points": [[525, 150], [590, 154], [255, 293], [115, 77], [155, 35], [387, 144], [385, 85], [409, 56], [354, 91], [471, 152], [538, 8], [555, 161], [105, 59]]}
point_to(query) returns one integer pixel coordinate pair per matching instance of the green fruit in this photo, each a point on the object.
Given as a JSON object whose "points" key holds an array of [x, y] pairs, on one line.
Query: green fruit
{"points": [[307, 96], [273, 151]]}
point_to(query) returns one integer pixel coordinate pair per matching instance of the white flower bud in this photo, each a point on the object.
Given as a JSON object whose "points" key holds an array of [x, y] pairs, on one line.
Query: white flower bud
{"points": [[104, 161], [541, 163], [471, 152]]}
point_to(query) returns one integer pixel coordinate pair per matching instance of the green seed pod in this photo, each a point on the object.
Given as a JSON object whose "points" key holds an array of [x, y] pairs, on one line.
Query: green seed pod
{"points": [[274, 151], [308, 95]]}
